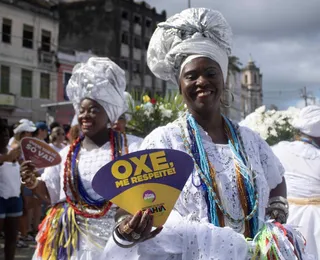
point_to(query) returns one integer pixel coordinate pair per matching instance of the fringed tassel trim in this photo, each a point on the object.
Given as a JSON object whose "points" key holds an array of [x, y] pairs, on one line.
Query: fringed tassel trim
{"points": [[278, 242]]}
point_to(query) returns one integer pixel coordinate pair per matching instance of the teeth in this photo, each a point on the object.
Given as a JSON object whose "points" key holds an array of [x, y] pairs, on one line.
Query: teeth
{"points": [[87, 124], [203, 94]]}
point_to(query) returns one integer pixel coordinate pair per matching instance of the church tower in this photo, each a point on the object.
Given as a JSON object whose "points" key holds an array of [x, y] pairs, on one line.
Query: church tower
{"points": [[251, 91]]}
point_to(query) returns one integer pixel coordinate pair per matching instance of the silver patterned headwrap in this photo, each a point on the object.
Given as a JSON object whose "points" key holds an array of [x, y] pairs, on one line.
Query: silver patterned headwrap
{"points": [[308, 121], [102, 80], [194, 31]]}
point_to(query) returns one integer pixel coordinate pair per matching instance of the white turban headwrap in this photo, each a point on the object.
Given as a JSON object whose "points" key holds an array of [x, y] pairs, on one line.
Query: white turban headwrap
{"points": [[194, 31], [308, 121], [131, 106], [102, 80]]}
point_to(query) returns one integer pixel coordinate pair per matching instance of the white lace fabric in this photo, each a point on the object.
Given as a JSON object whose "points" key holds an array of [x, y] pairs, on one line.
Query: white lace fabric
{"points": [[97, 230], [187, 234]]}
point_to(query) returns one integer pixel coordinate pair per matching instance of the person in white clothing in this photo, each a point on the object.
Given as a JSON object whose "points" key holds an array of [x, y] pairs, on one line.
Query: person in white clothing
{"points": [[23, 120], [25, 128], [57, 137], [10, 198], [237, 182], [80, 222], [301, 160]]}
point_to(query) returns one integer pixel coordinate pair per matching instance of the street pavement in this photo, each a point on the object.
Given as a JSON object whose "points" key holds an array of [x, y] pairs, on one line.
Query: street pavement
{"points": [[21, 253]]}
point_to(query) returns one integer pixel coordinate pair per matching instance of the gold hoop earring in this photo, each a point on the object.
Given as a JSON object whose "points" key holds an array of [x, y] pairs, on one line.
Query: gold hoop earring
{"points": [[179, 104], [227, 105]]}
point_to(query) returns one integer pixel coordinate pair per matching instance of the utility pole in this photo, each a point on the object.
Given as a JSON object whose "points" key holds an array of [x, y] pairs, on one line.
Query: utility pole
{"points": [[189, 3], [305, 96]]}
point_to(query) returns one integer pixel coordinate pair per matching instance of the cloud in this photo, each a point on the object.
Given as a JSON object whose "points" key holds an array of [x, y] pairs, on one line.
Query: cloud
{"points": [[282, 35], [259, 18]]}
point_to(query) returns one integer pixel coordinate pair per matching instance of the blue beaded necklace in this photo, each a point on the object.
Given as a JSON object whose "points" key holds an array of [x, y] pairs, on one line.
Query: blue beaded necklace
{"points": [[77, 180], [200, 156]]}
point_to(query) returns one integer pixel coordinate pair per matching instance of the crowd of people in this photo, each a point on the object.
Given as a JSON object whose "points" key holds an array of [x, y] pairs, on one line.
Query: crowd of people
{"points": [[238, 182], [20, 207]]}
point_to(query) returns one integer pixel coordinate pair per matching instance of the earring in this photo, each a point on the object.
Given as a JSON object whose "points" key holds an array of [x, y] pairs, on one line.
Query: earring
{"points": [[227, 105], [178, 100]]}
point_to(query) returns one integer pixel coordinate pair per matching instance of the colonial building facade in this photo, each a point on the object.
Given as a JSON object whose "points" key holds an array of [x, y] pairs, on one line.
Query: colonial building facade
{"points": [[62, 110], [28, 45], [251, 93], [118, 29], [243, 92]]}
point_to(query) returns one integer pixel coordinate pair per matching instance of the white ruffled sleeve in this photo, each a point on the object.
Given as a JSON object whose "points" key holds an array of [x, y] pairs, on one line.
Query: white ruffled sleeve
{"points": [[273, 169], [134, 143], [52, 178], [195, 240], [263, 154], [157, 139], [182, 239]]}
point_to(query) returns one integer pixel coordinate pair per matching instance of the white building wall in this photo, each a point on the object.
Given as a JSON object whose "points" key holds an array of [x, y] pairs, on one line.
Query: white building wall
{"points": [[17, 58], [234, 81]]}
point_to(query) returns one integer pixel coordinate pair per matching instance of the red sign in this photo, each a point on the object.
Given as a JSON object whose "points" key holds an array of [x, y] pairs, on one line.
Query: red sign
{"points": [[40, 153]]}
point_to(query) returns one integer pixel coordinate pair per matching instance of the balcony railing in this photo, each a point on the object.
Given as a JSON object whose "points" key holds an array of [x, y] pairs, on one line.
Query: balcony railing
{"points": [[46, 59]]}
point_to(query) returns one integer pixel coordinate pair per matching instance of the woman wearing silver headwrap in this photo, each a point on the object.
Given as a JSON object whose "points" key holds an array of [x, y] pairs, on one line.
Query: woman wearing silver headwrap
{"points": [[236, 181], [80, 222], [301, 160]]}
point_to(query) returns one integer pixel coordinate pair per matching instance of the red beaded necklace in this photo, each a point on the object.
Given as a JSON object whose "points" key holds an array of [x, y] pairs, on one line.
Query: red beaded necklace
{"points": [[80, 207]]}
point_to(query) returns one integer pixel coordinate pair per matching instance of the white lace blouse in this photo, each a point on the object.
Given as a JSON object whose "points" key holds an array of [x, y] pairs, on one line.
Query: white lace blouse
{"points": [[89, 163], [188, 234], [97, 231]]}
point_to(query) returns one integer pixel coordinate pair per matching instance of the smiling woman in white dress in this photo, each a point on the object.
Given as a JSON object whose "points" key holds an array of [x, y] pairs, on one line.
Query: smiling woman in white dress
{"points": [[80, 222], [237, 181]]}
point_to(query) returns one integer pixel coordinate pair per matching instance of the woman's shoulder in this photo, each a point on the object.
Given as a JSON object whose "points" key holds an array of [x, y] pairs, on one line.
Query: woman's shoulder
{"points": [[64, 151], [249, 134], [165, 131], [134, 142], [168, 136], [252, 139], [133, 139]]}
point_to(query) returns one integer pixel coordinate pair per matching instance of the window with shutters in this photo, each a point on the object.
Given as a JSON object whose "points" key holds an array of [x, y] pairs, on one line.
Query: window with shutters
{"points": [[45, 85], [26, 83], [6, 30], [27, 36], [5, 80]]}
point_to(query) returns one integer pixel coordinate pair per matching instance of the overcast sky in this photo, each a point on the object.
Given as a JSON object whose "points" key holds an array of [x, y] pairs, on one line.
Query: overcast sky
{"points": [[283, 37]]}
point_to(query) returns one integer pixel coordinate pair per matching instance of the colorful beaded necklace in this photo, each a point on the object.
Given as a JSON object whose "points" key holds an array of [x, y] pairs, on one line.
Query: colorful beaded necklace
{"points": [[83, 202], [246, 184]]}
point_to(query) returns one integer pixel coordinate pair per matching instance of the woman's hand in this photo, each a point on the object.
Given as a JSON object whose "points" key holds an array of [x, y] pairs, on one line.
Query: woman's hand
{"points": [[137, 228], [28, 174]]}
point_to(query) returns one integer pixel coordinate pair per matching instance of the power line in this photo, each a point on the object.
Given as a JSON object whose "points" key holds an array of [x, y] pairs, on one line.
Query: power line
{"points": [[288, 90]]}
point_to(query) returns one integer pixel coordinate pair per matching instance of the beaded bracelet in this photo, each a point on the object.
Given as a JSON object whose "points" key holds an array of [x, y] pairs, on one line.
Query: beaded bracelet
{"points": [[278, 207], [279, 202], [30, 187], [278, 199], [123, 217]]}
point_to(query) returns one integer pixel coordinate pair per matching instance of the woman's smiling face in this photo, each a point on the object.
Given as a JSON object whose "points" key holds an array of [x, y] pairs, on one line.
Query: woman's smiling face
{"points": [[92, 117], [201, 83]]}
